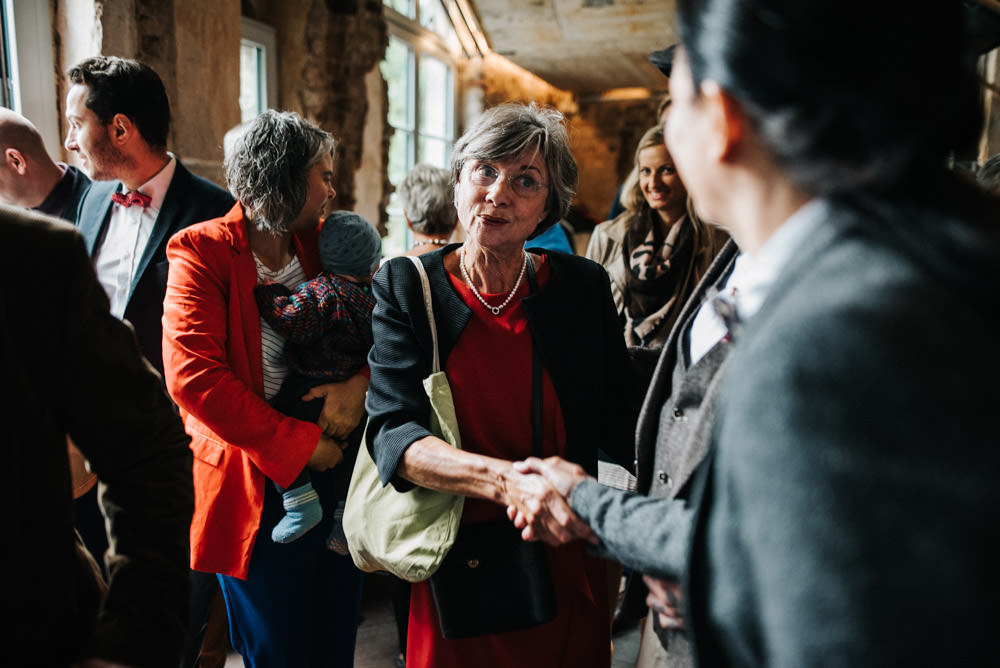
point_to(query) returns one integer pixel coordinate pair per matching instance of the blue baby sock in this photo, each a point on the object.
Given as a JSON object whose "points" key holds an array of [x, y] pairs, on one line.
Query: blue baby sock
{"points": [[302, 512], [337, 540]]}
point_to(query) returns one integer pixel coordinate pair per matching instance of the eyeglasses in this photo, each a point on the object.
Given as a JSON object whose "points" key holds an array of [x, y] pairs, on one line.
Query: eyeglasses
{"points": [[524, 184]]}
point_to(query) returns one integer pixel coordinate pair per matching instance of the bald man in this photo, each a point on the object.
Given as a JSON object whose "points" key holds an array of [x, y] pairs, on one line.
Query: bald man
{"points": [[29, 178]]}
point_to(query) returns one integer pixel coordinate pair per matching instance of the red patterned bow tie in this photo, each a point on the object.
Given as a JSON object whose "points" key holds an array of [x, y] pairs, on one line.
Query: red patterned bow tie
{"points": [[134, 197]]}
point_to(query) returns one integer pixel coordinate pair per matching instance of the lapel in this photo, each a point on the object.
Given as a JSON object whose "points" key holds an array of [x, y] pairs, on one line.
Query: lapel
{"points": [[95, 211], [242, 306], [661, 384], [166, 220], [242, 279], [450, 312]]}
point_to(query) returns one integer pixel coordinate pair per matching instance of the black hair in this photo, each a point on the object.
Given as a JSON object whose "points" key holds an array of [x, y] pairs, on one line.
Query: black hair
{"points": [[988, 175], [121, 86], [843, 93]]}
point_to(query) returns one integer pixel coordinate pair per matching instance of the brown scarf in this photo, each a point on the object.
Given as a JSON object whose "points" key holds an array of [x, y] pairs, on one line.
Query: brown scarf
{"points": [[657, 277]]}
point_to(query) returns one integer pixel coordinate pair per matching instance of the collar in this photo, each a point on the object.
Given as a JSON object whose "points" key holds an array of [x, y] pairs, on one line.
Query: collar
{"points": [[157, 186], [55, 201], [763, 268]]}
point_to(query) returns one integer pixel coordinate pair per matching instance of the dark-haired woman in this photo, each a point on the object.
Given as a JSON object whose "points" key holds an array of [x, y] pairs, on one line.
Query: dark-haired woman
{"points": [[846, 516], [294, 604], [655, 252]]}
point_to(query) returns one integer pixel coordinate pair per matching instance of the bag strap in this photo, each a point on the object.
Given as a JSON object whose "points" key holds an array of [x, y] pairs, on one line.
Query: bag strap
{"points": [[536, 377], [426, 284]]}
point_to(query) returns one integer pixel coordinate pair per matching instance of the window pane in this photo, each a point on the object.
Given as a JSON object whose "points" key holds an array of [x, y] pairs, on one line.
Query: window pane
{"points": [[434, 17], [396, 241], [400, 155], [435, 152], [251, 84], [404, 7], [435, 97], [397, 70]]}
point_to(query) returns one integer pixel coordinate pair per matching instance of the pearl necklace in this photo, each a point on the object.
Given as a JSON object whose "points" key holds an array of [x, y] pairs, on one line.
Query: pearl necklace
{"points": [[495, 310], [430, 242]]}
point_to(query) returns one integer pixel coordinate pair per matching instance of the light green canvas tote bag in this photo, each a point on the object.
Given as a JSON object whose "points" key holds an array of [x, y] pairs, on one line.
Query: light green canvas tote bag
{"points": [[406, 533]]}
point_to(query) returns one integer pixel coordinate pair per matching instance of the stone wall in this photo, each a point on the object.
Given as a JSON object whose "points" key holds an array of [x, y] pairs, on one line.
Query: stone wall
{"points": [[603, 132], [989, 145], [328, 54], [328, 51], [194, 48]]}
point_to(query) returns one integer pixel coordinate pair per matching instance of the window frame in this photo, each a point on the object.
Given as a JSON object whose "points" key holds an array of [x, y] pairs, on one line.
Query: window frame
{"points": [[423, 42], [28, 36], [265, 38]]}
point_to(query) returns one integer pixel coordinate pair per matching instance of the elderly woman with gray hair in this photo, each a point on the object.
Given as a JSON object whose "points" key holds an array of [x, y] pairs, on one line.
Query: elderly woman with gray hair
{"points": [[428, 202], [533, 352], [288, 604]]}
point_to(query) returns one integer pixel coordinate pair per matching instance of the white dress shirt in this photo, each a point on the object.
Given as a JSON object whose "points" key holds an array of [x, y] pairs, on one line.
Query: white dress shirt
{"points": [[753, 276], [117, 256]]}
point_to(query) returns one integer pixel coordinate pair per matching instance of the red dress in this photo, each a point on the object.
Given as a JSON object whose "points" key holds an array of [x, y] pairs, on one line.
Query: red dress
{"points": [[489, 370]]}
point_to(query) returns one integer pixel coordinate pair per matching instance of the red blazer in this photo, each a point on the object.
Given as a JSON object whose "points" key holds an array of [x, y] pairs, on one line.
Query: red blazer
{"points": [[213, 370]]}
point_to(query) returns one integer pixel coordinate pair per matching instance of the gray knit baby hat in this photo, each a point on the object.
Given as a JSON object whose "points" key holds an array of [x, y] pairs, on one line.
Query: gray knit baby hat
{"points": [[349, 244]]}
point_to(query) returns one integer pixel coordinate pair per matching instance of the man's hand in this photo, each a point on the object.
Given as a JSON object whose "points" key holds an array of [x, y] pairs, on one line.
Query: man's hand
{"points": [[563, 475], [540, 510], [343, 405], [665, 600]]}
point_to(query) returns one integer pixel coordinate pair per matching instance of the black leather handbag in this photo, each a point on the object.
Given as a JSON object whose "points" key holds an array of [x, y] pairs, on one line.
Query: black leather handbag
{"points": [[492, 581]]}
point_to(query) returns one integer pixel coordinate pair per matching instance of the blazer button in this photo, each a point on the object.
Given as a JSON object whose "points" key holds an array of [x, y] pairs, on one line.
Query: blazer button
{"points": [[663, 478], [678, 414]]}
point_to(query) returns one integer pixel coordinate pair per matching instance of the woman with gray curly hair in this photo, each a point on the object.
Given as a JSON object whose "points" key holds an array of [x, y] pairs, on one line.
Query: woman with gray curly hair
{"points": [[296, 603], [426, 196], [519, 386]]}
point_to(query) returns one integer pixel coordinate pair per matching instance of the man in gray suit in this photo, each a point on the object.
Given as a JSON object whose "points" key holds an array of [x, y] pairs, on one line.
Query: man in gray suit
{"points": [[845, 514], [846, 508], [648, 531]]}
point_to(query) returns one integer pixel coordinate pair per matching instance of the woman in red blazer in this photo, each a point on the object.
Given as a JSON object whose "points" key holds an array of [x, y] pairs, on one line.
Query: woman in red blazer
{"points": [[294, 604]]}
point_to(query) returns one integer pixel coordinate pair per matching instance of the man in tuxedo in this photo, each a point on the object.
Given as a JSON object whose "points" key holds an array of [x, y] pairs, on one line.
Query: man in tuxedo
{"points": [[71, 369], [29, 177], [119, 118]]}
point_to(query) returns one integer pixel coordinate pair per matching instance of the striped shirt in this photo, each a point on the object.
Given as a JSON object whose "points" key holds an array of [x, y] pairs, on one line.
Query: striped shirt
{"points": [[272, 343]]}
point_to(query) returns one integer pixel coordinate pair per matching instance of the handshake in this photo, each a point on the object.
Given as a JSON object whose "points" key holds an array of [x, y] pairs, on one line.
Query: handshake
{"points": [[538, 503]]}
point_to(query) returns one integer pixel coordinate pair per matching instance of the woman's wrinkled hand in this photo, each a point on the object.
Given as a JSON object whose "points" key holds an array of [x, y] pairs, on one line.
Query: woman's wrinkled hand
{"points": [[665, 600], [328, 453], [343, 405], [542, 513]]}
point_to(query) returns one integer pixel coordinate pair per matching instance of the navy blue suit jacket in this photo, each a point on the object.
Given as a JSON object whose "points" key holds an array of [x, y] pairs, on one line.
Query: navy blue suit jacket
{"points": [[190, 199]]}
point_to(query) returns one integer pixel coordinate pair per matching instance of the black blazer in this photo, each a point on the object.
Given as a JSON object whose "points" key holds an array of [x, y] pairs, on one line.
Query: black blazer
{"points": [[190, 199], [573, 321], [70, 368]]}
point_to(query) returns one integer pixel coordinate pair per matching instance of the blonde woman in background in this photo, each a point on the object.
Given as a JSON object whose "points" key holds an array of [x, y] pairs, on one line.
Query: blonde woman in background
{"points": [[656, 251]]}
